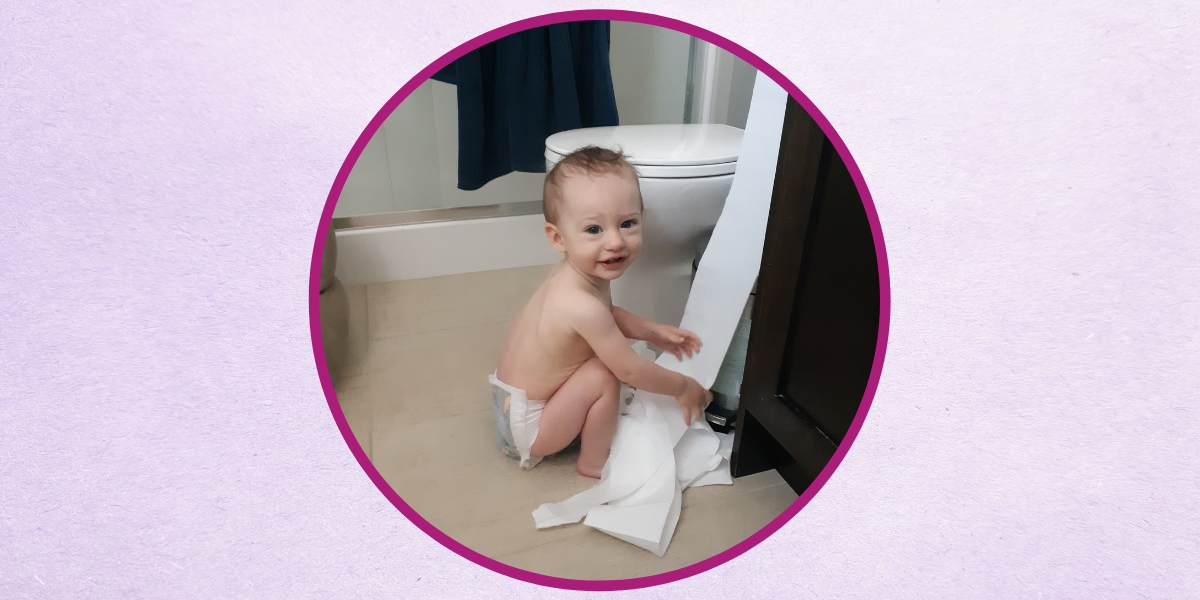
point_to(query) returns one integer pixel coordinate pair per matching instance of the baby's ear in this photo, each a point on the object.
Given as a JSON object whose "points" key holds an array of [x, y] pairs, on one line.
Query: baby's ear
{"points": [[555, 237]]}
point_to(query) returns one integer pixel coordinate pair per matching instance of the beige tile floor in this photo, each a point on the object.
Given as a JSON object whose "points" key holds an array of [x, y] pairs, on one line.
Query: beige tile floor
{"points": [[414, 390]]}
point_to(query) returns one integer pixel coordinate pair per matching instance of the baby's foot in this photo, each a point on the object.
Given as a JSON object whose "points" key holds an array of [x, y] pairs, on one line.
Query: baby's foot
{"points": [[588, 470], [591, 466]]}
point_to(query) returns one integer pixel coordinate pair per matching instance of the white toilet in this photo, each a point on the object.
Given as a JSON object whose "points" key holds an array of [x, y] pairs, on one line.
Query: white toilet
{"points": [[685, 172]]}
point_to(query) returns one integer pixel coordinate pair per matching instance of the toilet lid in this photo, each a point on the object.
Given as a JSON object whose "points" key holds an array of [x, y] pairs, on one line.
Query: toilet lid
{"points": [[697, 150]]}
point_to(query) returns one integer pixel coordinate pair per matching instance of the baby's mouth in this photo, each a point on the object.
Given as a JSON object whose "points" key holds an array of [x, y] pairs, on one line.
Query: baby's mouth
{"points": [[613, 262]]}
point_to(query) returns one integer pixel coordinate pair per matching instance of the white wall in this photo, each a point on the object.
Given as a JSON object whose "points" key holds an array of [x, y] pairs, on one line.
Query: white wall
{"points": [[741, 89], [412, 161], [368, 189], [411, 137], [722, 86], [649, 70]]}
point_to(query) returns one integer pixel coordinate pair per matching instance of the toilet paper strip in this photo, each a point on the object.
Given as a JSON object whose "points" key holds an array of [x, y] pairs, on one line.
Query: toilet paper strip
{"points": [[655, 455]]}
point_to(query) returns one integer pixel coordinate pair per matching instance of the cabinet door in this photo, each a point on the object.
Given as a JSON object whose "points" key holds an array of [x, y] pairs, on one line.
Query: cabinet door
{"points": [[834, 323], [816, 316]]}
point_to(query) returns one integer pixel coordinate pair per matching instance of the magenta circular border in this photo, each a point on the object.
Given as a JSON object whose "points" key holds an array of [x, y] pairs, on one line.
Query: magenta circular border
{"points": [[314, 291]]}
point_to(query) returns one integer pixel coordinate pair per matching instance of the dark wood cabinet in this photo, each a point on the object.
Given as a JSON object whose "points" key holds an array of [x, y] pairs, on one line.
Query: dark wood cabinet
{"points": [[816, 313]]}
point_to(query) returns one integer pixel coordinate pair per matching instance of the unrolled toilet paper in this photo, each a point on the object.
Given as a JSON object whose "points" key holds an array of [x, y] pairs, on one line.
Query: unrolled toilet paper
{"points": [[655, 455]]}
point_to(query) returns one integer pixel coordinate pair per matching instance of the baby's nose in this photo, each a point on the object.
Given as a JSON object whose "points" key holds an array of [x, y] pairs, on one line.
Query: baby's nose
{"points": [[614, 240]]}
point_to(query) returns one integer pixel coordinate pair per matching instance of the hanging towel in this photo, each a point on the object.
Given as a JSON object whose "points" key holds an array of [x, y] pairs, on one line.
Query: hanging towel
{"points": [[517, 91]]}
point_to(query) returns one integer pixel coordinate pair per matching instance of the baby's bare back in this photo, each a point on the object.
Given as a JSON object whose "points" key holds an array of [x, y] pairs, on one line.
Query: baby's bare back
{"points": [[542, 350]]}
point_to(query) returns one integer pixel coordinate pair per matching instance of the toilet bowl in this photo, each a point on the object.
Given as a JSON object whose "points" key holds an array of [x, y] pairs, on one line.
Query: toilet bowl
{"points": [[685, 172]]}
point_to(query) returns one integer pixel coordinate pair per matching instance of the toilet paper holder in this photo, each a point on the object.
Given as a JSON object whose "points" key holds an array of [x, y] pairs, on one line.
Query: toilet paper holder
{"points": [[722, 420]]}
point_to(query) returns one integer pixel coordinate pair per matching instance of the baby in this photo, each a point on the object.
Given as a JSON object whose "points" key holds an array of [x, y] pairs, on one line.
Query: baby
{"points": [[567, 353]]}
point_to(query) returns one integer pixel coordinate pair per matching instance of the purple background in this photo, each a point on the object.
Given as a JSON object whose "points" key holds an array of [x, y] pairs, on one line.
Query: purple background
{"points": [[163, 430]]}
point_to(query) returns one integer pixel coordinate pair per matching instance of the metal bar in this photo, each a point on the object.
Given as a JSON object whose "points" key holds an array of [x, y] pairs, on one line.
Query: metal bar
{"points": [[691, 81], [438, 215]]}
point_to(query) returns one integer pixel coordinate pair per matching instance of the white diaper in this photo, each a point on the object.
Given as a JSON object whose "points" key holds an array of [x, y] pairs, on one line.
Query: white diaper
{"points": [[517, 420]]}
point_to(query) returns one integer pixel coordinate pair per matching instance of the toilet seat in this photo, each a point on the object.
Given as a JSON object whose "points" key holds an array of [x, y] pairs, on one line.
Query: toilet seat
{"points": [[659, 151], [662, 172]]}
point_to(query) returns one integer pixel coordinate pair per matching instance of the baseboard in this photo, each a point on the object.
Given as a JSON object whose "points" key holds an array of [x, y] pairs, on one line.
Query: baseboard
{"points": [[379, 254]]}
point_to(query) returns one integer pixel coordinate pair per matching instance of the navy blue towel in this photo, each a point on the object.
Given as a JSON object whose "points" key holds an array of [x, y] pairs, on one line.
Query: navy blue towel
{"points": [[517, 91]]}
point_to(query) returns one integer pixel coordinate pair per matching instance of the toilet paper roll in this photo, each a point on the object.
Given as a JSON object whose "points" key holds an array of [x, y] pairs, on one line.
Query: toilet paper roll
{"points": [[655, 455]]}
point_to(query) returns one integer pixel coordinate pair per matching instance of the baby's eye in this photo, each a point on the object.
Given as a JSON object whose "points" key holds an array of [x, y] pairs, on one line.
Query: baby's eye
{"points": [[593, 229], [629, 223]]}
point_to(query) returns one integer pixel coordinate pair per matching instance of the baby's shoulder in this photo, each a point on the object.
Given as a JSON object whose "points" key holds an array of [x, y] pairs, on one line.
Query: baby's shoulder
{"points": [[570, 302]]}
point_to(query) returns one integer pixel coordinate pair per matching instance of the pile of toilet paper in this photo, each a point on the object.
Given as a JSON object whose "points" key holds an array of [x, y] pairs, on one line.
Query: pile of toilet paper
{"points": [[655, 455]]}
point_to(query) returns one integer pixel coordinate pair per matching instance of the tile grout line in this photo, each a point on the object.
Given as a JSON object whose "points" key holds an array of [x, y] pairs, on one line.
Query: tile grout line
{"points": [[583, 529], [388, 337], [367, 374]]}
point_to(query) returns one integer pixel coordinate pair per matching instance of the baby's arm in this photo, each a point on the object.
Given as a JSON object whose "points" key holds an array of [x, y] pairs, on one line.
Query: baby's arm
{"points": [[672, 339], [631, 325], [593, 320]]}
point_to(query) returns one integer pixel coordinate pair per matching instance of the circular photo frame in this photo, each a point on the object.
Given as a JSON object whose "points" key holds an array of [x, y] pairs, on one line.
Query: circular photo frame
{"points": [[810, 375]]}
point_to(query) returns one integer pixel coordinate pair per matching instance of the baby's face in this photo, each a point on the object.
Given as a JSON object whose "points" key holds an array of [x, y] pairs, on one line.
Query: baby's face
{"points": [[600, 223]]}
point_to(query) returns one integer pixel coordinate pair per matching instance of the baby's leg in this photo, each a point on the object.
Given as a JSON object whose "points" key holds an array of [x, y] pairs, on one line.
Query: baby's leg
{"points": [[586, 402]]}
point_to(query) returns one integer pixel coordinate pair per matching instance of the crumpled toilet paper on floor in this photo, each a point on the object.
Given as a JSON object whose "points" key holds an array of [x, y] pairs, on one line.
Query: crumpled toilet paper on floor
{"points": [[655, 455]]}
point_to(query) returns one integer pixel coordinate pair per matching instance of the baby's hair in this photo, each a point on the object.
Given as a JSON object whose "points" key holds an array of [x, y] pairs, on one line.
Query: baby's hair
{"points": [[590, 161]]}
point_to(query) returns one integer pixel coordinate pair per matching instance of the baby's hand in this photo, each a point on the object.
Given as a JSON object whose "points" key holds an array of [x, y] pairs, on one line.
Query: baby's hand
{"points": [[674, 340], [693, 400]]}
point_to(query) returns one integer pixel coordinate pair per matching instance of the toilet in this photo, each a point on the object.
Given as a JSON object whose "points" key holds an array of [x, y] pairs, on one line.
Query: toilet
{"points": [[685, 172]]}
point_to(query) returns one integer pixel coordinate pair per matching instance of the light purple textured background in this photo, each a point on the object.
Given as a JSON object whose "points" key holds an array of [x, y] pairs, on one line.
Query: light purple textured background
{"points": [[163, 431]]}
